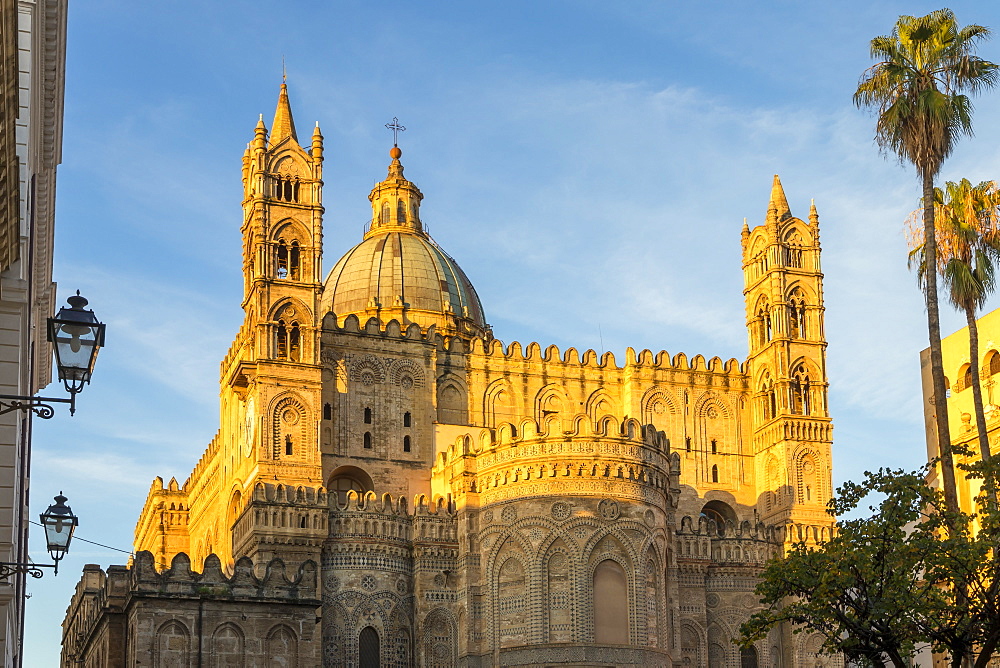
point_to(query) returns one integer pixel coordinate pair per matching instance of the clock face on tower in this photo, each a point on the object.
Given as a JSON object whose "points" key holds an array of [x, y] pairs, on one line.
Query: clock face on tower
{"points": [[249, 421]]}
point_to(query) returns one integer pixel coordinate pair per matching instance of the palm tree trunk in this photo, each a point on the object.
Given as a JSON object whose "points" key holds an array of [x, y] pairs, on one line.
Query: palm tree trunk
{"points": [[977, 400], [937, 365]]}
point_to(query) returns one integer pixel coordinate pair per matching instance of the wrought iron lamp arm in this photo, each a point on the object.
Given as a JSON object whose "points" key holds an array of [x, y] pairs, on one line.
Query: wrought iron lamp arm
{"points": [[37, 405], [9, 568]]}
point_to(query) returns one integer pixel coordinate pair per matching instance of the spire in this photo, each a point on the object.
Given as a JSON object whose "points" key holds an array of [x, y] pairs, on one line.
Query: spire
{"points": [[813, 213], [283, 125], [778, 203]]}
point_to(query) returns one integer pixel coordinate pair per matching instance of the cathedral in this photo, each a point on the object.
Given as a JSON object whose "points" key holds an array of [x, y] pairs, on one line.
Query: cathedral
{"points": [[392, 486]]}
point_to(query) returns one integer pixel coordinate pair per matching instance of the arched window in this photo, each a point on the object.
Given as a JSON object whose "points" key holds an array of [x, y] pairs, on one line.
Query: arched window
{"points": [[368, 416], [967, 377], [764, 333], [294, 343], [288, 444], [797, 315], [349, 478], [281, 341], [715, 447], [715, 473], [719, 512], [993, 363], [368, 440], [687, 443], [293, 261], [610, 604], [282, 259], [748, 657], [401, 213], [406, 444], [406, 419], [801, 392], [369, 654], [288, 190], [295, 191], [385, 214]]}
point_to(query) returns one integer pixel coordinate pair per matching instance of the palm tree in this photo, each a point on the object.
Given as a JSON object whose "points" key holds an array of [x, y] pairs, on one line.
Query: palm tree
{"points": [[918, 88], [967, 227]]}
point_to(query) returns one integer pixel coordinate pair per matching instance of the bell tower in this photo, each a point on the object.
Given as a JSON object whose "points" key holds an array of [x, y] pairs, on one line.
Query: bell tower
{"points": [[271, 379], [792, 430]]}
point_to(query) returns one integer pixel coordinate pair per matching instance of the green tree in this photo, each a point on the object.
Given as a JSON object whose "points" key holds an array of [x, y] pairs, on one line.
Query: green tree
{"points": [[918, 88], [911, 573], [967, 226]]}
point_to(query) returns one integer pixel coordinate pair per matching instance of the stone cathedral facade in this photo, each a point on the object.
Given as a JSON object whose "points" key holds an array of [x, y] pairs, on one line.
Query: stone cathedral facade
{"points": [[392, 486]]}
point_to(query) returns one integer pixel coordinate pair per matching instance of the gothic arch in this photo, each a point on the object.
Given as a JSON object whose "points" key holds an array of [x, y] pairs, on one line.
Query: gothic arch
{"points": [[172, 646], [228, 646], [500, 403], [290, 229], [440, 643], [407, 373], [600, 404], [511, 586], [290, 432], [287, 163], [367, 369], [991, 364], [692, 643], [557, 575], [452, 400], [282, 647], [659, 408], [552, 399], [811, 475], [299, 310]]}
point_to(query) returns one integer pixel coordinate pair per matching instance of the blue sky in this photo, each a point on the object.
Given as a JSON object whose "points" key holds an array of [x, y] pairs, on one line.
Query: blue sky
{"points": [[589, 164]]}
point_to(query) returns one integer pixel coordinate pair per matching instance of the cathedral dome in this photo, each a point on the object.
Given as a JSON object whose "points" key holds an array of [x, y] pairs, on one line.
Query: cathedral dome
{"points": [[398, 272]]}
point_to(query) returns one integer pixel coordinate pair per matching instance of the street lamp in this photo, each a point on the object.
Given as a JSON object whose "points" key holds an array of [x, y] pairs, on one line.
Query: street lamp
{"points": [[59, 523], [76, 336]]}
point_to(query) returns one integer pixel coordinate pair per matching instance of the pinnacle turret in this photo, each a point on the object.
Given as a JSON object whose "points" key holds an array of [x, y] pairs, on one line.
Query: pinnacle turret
{"points": [[778, 204], [283, 125]]}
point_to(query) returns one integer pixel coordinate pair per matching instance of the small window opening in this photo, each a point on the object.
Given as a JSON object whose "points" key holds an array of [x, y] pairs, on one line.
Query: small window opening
{"points": [[385, 214], [282, 259], [281, 351], [687, 443], [808, 493], [302, 522], [288, 444], [293, 261], [294, 343], [288, 190], [295, 191], [406, 419], [406, 444], [401, 213], [715, 473], [368, 440], [327, 412], [715, 447], [368, 416]]}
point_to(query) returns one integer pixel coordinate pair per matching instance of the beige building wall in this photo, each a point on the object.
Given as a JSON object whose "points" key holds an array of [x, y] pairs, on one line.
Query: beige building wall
{"points": [[961, 412], [26, 288]]}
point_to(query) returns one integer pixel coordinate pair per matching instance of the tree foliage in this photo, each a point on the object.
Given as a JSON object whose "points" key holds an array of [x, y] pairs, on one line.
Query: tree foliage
{"points": [[910, 573], [918, 87]]}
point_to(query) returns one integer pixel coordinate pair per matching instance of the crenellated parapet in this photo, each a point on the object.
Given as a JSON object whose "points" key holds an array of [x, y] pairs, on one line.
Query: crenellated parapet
{"points": [[162, 527], [277, 583], [277, 518], [609, 458], [727, 544]]}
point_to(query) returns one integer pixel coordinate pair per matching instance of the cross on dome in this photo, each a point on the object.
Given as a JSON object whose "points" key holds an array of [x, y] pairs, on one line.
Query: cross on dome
{"points": [[396, 129]]}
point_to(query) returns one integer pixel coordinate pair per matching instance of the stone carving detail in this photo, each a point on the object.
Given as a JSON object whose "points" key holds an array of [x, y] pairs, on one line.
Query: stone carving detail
{"points": [[561, 510], [508, 514], [487, 517], [609, 509], [712, 600], [649, 517], [368, 582], [559, 599]]}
